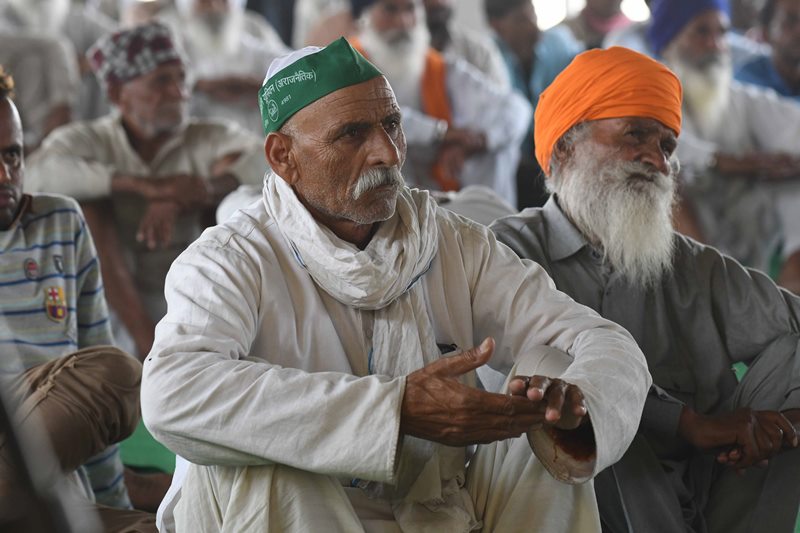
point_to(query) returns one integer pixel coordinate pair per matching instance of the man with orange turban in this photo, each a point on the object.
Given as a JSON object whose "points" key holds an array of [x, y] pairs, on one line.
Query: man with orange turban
{"points": [[606, 134]]}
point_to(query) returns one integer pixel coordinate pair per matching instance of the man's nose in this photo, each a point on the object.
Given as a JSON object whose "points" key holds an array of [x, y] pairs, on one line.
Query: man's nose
{"points": [[383, 151], [5, 173], [656, 157]]}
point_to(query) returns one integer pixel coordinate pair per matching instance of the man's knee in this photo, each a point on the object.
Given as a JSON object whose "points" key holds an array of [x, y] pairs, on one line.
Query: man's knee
{"points": [[111, 365], [274, 496], [116, 378]]}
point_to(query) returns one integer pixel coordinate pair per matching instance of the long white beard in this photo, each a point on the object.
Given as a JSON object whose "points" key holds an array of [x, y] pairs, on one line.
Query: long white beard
{"points": [[208, 42], [630, 217], [43, 17], [706, 90], [400, 56]]}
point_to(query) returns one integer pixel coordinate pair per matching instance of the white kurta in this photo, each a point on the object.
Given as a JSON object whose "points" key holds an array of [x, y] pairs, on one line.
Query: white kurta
{"points": [[254, 365], [250, 57], [81, 159], [737, 214], [478, 104], [480, 51]]}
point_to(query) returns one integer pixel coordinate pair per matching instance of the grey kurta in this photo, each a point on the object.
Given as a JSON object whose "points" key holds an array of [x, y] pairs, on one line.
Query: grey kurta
{"points": [[709, 314]]}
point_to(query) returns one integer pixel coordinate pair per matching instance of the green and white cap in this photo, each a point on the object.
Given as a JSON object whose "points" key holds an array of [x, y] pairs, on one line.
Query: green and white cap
{"points": [[304, 76]]}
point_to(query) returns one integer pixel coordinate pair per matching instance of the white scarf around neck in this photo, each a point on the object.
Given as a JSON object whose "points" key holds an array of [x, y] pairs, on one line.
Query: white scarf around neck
{"points": [[381, 278]]}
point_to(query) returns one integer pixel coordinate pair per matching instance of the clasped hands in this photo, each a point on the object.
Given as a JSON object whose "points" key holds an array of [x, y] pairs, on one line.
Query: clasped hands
{"points": [[167, 198], [741, 438], [438, 407]]}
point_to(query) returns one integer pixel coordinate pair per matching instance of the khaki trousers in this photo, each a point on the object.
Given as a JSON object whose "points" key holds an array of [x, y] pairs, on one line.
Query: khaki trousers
{"points": [[84, 402]]}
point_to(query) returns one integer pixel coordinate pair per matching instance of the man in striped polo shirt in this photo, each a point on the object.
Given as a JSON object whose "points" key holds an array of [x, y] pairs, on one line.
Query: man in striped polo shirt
{"points": [[54, 334]]}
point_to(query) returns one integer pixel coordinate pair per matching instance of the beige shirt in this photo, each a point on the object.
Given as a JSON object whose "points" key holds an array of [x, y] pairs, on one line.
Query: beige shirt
{"points": [[80, 160]]}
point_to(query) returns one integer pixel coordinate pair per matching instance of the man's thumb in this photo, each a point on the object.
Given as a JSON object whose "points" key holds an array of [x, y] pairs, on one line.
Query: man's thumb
{"points": [[471, 359]]}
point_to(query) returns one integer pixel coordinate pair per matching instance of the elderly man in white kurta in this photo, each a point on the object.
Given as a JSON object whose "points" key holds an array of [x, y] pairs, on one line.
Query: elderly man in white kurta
{"points": [[316, 364], [228, 52], [462, 128], [157, 170]]}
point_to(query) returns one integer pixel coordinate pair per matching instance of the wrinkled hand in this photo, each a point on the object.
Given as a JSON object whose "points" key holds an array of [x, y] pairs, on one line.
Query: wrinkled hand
{"points": [[471, 141], [187, 190], [437, 407], [451, 158], [566, 406], [748, 437], [157, 224]]}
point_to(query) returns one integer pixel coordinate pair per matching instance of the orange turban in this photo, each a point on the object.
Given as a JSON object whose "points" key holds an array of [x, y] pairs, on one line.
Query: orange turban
{"points": [[598, 84]]}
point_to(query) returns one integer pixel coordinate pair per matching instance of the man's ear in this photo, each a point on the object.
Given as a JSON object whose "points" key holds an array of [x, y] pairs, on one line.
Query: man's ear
{"points": [[113, 92], [280, 156], [562, 152]]}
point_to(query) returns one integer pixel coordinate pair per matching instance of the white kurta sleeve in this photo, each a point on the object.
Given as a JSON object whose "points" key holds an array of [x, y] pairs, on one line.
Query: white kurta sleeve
{"points": [[420, 129], [477, 103], [227, 138], [211, 403], [66, 164], [773, 120], [608, 366]]}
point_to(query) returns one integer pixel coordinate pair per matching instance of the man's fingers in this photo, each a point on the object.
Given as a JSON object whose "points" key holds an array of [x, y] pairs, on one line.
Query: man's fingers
{"points": [[537, 387], [555, 396], [748, 445], [518, 385], [789, 433], [576, 403], [457, 365]]}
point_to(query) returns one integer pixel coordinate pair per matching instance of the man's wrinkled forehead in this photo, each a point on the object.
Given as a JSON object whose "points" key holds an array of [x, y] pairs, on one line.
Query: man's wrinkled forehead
{"points": [[10, 124], [367, 101]]}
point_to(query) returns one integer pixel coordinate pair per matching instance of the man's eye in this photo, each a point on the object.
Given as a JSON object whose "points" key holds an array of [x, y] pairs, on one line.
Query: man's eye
{"points": [[12, 157]]}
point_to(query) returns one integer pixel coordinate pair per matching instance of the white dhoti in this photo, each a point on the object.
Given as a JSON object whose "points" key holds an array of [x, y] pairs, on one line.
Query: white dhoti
{"points": [[507, 488]]}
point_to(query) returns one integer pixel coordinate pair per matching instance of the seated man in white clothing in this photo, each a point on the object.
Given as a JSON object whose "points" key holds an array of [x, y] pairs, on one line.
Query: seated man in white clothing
{"points": [[462, 129], [147, 174], [740, 145], [301, 365], [228, 54]]}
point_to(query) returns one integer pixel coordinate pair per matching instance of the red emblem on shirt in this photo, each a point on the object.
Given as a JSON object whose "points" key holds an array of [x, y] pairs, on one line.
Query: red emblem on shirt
{"points": [[31, 268], [54, 304]]}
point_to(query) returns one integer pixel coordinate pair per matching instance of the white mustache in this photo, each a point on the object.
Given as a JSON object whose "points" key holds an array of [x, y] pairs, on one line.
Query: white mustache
{"points": [[377, 177]]}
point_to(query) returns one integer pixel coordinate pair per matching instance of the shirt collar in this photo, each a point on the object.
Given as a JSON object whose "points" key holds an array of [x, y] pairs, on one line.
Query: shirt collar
{"points": [[24, 208], [563, 237]]}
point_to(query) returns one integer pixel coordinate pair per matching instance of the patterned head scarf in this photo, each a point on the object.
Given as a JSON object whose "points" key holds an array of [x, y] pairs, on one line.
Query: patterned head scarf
{"points": [[127, 54]]}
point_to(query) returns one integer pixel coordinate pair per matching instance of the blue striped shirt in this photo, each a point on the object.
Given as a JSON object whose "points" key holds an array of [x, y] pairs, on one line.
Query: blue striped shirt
{"points": [[52, 304], [51, 294]]}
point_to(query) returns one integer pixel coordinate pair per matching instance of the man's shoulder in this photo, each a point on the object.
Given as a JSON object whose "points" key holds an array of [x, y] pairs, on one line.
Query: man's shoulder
{"points": [[52, 218], [248, 233], [755, 97], [98, 128], [529, 224], [558, 40], [756, 68], [527, 234], [209, 131], [45, 205]]}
